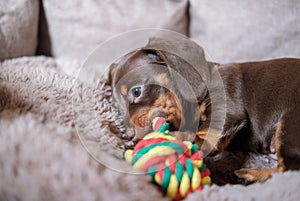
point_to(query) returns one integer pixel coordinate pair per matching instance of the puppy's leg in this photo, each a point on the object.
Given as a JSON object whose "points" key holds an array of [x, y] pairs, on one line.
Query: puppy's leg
{"points": [[290, 147], [184, 135], [223, 165], [261, 175], [207, 141]]}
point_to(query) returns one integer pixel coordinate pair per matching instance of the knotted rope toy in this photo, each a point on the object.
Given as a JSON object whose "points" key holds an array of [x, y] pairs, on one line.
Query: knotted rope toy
{"points": [[176, 166]]}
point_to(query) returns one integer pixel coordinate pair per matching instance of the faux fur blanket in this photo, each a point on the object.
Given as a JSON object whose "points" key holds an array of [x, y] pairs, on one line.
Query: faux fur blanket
{"points": [[60, 140]]}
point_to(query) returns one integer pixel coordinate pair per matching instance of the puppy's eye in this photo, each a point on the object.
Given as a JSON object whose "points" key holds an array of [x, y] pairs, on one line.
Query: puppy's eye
{"points": [[136, 91], [153, 55]]}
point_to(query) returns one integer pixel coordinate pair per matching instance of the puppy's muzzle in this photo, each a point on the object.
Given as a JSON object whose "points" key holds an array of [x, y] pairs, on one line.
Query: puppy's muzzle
{"points": [[135, 134]]}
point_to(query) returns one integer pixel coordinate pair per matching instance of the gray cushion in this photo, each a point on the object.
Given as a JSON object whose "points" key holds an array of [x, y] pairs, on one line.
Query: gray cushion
{"points": [[246, 30], [18, 28], [76, 27]]}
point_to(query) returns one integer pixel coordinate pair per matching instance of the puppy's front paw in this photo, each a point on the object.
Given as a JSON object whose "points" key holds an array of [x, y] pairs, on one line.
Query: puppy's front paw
{"points": [[253, 175]]}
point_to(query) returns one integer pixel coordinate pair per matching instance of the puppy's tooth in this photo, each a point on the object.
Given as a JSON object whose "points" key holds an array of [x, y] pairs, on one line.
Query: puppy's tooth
{"points": [[135, 139], [124, 136], [129, 144]]}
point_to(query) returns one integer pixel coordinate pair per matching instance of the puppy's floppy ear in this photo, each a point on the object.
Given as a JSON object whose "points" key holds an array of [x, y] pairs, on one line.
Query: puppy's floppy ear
{"points": [[188, 80], [186, 61], [110, 74]]}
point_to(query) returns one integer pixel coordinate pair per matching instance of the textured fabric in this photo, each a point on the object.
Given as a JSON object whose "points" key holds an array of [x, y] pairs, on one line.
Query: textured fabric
{"points": [[18, 28], [237, 30], [41, 157], [76, 27], [283, 186]]}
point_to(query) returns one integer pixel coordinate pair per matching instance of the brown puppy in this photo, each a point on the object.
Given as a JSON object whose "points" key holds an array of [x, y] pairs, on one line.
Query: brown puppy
{"points": [[258, 106]]}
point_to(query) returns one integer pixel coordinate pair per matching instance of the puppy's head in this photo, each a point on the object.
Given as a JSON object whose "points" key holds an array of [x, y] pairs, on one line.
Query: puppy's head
{"points": [[157, 80]]}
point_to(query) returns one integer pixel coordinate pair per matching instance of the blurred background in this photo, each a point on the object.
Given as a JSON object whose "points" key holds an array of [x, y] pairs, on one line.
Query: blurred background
{"points": [[229, 31]]}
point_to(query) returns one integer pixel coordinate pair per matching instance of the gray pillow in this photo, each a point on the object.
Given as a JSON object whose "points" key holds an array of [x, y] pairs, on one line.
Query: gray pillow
{"points": [[76, 27], [18, 28], [237, 30]]}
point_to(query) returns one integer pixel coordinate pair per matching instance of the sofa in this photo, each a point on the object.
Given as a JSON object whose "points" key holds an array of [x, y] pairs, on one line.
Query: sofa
{"points": [[61, 133]]}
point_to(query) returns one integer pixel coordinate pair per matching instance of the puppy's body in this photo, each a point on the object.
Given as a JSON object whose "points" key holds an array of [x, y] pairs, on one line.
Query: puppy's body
{"points": [[266, 95], [262, 103], [263, 94]]}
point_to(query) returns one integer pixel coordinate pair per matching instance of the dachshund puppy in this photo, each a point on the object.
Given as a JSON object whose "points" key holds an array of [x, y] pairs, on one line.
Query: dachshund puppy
{"points": [[249, 107]]}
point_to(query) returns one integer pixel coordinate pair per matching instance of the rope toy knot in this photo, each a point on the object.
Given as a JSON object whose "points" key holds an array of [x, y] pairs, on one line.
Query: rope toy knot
{"points": [[175, 166]]}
